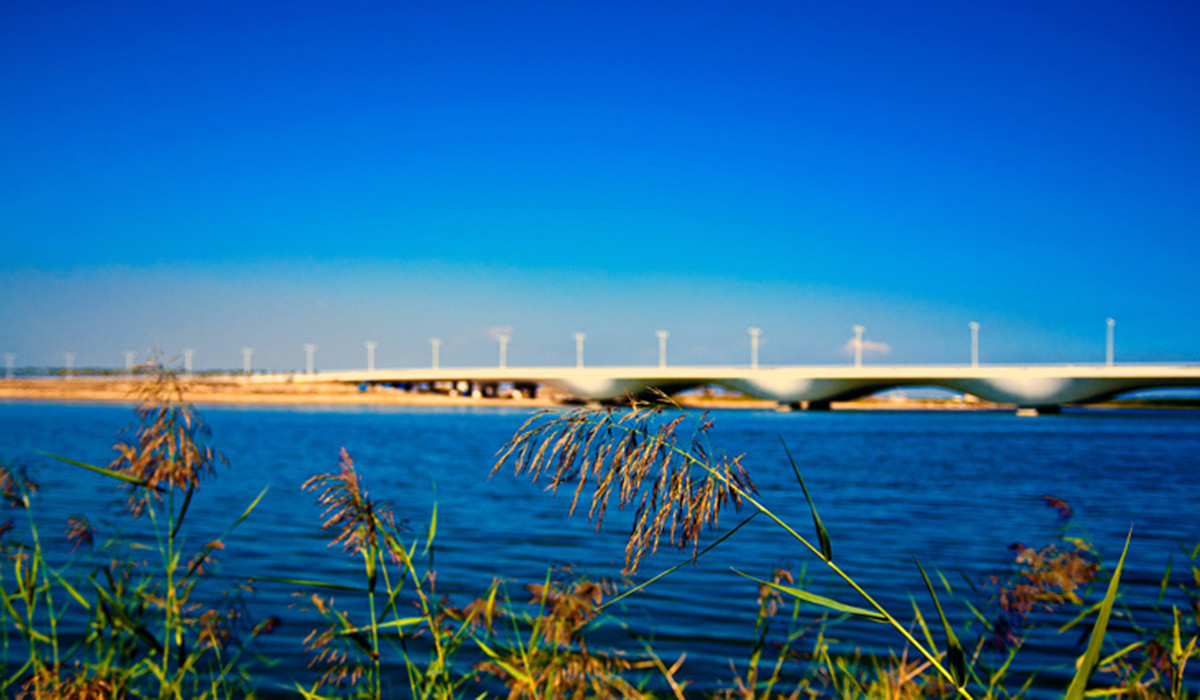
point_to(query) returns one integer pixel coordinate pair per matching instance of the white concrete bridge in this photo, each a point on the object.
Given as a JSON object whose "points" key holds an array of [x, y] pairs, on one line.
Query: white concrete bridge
{"points": [[1042, 387]]}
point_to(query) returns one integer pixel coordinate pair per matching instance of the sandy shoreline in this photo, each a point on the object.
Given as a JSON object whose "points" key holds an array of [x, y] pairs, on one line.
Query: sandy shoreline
{"points": [[202, 392], [225, 391]]}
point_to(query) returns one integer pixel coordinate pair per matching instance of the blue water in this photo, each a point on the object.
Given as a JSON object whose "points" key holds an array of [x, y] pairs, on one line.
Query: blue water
{"points": [[952, 488]]}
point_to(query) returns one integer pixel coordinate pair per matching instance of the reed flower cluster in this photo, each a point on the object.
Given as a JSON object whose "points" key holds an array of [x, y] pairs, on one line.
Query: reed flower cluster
{"points": [[151, 625], [359, 521], [552, 658], [678, 488], [170, 443]]}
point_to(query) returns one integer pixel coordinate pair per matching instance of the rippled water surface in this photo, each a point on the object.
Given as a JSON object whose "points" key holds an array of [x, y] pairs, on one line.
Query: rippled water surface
{"points": [[953, 488]]}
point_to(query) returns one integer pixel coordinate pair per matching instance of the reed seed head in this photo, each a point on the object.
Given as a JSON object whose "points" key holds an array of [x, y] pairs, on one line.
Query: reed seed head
{"points": [[676, 486], [16, 486], [170, 447], [349, 507], [80, 532]]}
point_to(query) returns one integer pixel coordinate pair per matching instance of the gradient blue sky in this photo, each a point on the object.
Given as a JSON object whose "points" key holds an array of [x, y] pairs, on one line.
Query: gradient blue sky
{"points": [[219, 174]]}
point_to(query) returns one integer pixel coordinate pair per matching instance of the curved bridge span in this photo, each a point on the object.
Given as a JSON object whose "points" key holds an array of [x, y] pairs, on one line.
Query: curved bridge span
{"points": [[1033, 386]]}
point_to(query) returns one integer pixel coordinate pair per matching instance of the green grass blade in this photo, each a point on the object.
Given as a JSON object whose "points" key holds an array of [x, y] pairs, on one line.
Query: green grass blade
{"points": [[1087, 664], [249, 509], [924, 627], [118, 612], [70, 589], [1166, 580], [499, 661], [19, 673], [818, 600], [822, 533], [1080, 617], [955, 656], [310, 583], [187, 501], [1116, 655], [400, 623], [207, 549], [432, 527], [681, 564], [106, 472]]}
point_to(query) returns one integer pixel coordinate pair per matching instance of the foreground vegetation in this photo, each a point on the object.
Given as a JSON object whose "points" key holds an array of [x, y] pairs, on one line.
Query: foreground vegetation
{"points": [[140, 615]]}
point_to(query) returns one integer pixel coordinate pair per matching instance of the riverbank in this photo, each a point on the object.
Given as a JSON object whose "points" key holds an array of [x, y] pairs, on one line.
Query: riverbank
{"points": [[204, 391], [224, 391]]}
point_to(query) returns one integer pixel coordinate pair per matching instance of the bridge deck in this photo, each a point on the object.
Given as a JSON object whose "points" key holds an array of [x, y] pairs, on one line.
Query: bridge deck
{"points": [[1026, 385]]}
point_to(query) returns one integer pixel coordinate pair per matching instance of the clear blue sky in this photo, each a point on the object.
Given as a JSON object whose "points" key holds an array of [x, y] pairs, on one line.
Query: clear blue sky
{"points": [[219, 174]]}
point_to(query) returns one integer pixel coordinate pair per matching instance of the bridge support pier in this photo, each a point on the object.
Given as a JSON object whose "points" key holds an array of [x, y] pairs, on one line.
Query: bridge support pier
{"points": [[528, 390], [804, 406], [1047, 410]]}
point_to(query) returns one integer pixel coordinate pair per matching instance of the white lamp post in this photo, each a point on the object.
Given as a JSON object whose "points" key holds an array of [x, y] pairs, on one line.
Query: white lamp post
{"points": [[858, 344], [70, 358], [310, 349], [503, 338], [662, 347], [9, 359], [974, 326], [246, 354], [188, 354], [371, 344], [754, 333], [435, 344], [129, 355], [579, 338], [1108, 346]]}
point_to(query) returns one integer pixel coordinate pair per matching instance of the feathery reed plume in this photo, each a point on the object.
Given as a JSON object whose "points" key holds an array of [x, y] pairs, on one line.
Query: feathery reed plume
{"points": [[679, 488], [554, 661], [1048, 578], [15, 486], [347, 504], [60, 684], [80, 532], [351, 654], [170, 447], [638, 455]]}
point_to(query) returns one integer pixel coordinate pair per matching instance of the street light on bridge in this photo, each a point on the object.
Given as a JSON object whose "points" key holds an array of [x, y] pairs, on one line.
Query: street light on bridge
{"points": [[754, 333], [579, 338], [310, 349], [974, 325], [435, 344], [662, 347], [1108, 346], [371, 345], [858, 335], [503, 339]]}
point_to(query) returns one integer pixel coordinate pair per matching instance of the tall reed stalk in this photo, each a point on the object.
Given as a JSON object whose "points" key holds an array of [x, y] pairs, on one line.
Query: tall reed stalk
{"points": [[147, 635], [351, 654], [678, 488]]}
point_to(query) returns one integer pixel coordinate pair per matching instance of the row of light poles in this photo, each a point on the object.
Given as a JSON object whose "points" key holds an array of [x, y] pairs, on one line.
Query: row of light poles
{"points": [[755, 334], [310, 350]]}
